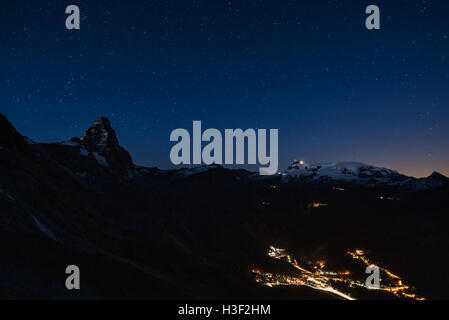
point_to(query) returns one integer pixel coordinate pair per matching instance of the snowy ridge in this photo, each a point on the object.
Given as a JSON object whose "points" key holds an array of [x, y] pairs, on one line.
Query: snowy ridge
{"points": [[360, 173], [338, 170]]}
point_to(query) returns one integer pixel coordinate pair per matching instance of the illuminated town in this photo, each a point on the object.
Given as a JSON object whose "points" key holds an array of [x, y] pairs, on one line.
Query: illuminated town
{"points": [[316, 276]]}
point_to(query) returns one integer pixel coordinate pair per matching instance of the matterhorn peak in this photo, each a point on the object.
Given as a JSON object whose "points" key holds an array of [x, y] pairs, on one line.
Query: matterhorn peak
{"points": [[101, 141], [100, 136]]}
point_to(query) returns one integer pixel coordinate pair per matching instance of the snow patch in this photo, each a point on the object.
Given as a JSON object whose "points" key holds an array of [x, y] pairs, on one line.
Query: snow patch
{"points": [[84, 152], [100, 159]]}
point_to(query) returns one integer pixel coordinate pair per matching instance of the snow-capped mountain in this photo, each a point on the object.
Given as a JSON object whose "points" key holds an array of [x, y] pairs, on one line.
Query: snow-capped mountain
{"points": [[340, 171], [360, 173]]}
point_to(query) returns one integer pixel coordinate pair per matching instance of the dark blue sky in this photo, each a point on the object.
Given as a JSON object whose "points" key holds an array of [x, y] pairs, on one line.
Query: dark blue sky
{"points": [[335, 90]]}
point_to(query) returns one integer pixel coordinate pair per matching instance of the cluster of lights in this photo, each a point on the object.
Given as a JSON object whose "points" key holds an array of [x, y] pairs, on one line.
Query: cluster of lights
{"points": [[325, 280], [397, 287]]}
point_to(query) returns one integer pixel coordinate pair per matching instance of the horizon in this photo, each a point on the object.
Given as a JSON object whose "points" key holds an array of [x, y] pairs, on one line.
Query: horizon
{"points": [[252, 168]]}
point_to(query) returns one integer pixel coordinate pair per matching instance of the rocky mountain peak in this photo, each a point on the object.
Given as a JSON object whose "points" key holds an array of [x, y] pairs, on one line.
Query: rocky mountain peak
{"points": [[101, 142], [100, 136]]}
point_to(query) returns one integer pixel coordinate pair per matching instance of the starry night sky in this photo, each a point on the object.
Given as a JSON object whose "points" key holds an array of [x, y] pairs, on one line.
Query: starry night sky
{"points": [[335, 90]]}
